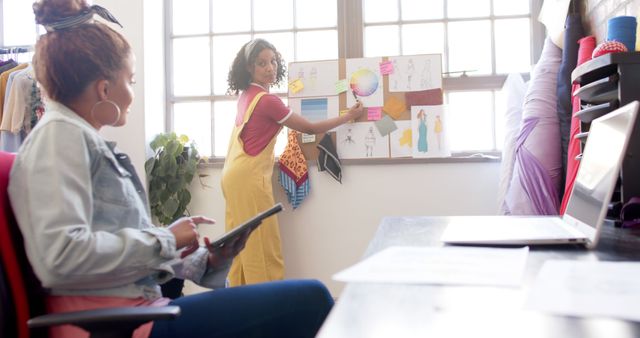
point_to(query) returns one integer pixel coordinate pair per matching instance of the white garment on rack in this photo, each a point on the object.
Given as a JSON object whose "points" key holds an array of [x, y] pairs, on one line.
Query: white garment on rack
{"points": [[18, 102]]}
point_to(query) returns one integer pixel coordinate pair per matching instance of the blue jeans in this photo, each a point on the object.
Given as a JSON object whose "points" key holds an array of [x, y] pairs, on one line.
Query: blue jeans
{"points": [[291, 308]]}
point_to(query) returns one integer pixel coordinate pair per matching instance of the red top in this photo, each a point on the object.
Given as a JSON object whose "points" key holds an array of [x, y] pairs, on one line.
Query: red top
{"points": [[264, 123]]}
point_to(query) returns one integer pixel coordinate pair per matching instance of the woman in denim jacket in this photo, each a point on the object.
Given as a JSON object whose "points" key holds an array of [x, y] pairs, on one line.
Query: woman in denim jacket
{"points": [[84, 215]]}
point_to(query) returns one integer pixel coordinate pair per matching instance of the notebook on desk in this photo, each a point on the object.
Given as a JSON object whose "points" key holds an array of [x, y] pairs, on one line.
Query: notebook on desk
{"points": [[588, 203]]}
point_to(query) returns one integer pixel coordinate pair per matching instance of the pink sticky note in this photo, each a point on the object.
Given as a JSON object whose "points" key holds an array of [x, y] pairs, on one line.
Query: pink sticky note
{"points": [[386, 67], [374, 113]]}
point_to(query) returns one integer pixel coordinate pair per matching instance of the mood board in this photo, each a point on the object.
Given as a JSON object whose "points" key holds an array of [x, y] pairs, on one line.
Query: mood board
{"points": [[402, 95]]}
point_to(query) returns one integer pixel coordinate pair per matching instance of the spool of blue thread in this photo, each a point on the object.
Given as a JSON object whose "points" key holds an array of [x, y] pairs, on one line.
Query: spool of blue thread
{"points": [[623, 29]]}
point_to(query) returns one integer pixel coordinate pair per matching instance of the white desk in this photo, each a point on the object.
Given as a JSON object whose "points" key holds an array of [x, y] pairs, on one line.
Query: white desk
{"points": [[396, 310]]}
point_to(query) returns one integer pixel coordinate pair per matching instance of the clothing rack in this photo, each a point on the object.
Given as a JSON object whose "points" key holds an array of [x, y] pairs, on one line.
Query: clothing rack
{"points": [[15, 50]]}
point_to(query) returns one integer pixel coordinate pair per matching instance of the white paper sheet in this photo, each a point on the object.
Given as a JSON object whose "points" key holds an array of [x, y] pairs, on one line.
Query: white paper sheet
{"points": [[318, 77], [401, 140], [429, 132], [440, 265], [415, 72], [361, 140], [604, 289], [366, 81]]}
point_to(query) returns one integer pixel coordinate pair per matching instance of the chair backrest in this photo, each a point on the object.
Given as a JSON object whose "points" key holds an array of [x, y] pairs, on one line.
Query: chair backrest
{"points": [[27, 294]]}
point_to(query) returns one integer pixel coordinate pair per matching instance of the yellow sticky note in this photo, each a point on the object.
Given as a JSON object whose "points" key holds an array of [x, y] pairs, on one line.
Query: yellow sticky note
{"points": [[296, 85], [394, 107]]}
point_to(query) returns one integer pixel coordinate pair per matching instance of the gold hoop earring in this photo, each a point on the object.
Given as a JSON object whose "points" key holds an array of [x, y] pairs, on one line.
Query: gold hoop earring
{"points": [[103, 117]]}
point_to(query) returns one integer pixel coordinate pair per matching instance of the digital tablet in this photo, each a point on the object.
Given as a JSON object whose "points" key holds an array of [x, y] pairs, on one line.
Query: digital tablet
{"points": [[251, 224]]}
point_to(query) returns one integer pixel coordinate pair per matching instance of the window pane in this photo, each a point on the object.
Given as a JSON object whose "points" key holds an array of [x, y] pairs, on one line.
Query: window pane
{"points": [[315, 14], [381, 41], [471, 120], [282, 139], [191, 65], [423, 38], [231, 16], [284, 44], [317, 45], [470, 47], [467, 8], [380, 11], [190, 17], [224, 113], [194, 120], [272, 14], [510, 7], [501, 109], [513, 43], [19, 27], [422, 9], [225, 48]]}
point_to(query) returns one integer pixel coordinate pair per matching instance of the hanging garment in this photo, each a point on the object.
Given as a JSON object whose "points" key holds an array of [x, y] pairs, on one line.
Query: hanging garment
{"points": [[247, 189], [514, 88], [15, 106], [572, 33], [328, 158], [535, 182], [587, 45], [294, 173]]}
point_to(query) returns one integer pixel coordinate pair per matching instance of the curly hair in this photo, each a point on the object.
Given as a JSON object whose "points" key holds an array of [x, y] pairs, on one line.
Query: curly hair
{"points": [[239, 76], [67, 61]]}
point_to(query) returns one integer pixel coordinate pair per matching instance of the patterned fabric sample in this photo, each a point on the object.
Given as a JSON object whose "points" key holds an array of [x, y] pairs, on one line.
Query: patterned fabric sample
{"points": [[294, 173], [328, 158]]}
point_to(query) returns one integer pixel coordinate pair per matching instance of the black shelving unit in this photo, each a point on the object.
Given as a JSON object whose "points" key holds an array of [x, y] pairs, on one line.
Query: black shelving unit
{"points": [[606, 83]]}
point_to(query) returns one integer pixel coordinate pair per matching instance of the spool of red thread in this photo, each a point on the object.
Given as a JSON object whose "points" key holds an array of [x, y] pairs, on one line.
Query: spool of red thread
{"points": [[585, 51]]}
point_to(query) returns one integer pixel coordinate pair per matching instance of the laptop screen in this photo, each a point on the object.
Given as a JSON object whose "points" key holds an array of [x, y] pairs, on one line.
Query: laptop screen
{"points": [[600, 165]]}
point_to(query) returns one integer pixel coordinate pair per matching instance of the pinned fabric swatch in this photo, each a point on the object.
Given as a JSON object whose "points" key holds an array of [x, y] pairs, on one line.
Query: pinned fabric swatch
{"points": [[394, 107], [294, 173], [429, 97], [328, 158], [386, 125]]}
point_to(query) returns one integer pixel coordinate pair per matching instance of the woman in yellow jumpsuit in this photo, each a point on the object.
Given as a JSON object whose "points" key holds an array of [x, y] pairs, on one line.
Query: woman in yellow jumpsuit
{"points": [[248, 168]]}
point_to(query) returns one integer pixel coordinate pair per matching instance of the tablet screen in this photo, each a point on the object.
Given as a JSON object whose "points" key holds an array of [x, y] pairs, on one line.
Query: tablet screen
{"points": [[252, 223]]}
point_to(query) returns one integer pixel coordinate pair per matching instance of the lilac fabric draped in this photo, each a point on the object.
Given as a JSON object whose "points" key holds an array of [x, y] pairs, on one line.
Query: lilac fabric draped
{"points": [[537, 173], [514, 88]]}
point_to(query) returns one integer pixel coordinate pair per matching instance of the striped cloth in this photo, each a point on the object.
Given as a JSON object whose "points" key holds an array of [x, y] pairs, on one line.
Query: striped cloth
{"points": [[294, 173], [81, 18]]}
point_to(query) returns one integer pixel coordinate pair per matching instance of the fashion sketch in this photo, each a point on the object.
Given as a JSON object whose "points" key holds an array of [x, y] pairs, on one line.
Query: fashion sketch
{"points": [[349, 137], [438, 130], [411, 68], [422, 132], [369, 143]]}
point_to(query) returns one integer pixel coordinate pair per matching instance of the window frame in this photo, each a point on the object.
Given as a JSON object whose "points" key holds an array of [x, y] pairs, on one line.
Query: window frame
{"points": [[350, 27]]}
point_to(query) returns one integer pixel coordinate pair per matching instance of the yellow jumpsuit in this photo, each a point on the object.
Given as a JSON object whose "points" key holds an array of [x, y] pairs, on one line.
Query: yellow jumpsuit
{"points": [[247, 189]]}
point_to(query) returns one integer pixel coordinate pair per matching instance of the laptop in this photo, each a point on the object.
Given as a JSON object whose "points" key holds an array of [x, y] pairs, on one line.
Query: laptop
{"points": [[588, 203]]}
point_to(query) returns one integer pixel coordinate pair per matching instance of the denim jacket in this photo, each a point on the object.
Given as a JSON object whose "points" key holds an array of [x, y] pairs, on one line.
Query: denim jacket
{"points": [[86, 226]]}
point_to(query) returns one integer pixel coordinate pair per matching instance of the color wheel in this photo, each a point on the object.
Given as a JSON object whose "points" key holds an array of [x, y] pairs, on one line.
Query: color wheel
{"points": [[364, 82]]}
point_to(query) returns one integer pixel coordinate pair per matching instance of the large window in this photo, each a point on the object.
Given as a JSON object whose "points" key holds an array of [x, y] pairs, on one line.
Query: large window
{"points": [[18, 23], [480, 40], [205, 36]]}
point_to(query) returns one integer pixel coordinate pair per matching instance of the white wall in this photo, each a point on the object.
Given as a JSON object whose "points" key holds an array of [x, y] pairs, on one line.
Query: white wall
{"points": [[131, 137], [333, 225]]}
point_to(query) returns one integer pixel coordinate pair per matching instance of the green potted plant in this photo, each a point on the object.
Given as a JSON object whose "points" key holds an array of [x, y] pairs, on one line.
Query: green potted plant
{"points": [[169, 174]]}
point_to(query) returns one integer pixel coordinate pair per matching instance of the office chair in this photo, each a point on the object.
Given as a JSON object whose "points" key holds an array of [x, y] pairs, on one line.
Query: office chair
{"points": [[22, 298]]}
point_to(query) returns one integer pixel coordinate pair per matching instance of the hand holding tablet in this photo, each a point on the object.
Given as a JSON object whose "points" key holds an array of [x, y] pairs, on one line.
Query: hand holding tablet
{"points": [[249, 226]]}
